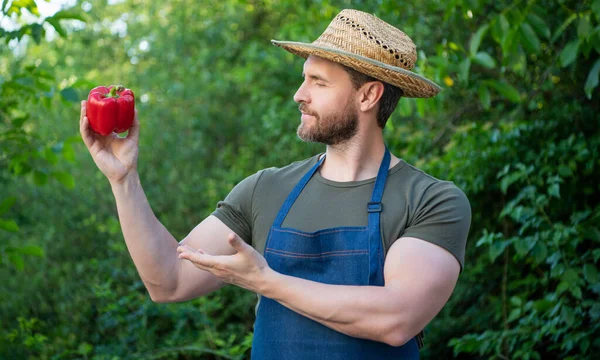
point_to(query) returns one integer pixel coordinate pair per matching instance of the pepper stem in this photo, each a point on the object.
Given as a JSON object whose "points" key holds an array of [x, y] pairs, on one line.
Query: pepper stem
{"points": [[114, 91]]}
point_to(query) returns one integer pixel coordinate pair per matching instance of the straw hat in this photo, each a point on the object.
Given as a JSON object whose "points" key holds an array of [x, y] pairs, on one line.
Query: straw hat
{"points": [[371, 46]]}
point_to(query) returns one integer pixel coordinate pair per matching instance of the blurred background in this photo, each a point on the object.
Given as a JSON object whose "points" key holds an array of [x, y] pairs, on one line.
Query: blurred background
{"points": [[516, 127]]}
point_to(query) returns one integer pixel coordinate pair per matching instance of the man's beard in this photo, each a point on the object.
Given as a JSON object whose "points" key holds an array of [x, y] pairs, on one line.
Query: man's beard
{"points": [[331, 130]]}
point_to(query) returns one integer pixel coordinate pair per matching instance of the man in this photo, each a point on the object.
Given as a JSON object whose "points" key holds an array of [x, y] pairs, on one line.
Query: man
{"points": [[352, 252]]}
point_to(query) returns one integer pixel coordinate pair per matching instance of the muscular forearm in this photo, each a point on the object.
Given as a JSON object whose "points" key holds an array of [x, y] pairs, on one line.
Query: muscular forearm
{"points": [[151, 246], [369, 312]]}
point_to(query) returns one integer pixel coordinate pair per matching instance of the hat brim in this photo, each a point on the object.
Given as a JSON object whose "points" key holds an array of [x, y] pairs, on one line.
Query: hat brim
{"points": [[413, 85]]}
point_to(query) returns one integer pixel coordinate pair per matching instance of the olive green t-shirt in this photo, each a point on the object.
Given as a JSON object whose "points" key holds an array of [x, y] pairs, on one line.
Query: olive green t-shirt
{"points": [[414, 204]]}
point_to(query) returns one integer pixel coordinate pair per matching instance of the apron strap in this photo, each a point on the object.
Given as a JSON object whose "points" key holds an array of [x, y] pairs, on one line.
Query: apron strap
{"points": [[374, 208], [380, 183], [287, 205]]}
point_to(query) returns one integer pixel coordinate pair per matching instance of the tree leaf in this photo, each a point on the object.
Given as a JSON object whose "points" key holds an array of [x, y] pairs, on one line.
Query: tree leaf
{"points": [[514, 315], [562, 287], [70, 94], [71, 14], [569, 53], [584, 28], [565, 171], [9, 225], [17, 261], [505, 90], [40, 178], [539, 252], [464, 67], [576, 292], [500, 28], [484, 96], [590, 273], [596, 8], [31, 250], [496, 248], [524, 245], [7, 203], [554, 190], [485, 59], [56, 25], [539, 25], [595, 311], [37, 31], [476, 39], [65, 178], [563, 27], [529, 39], [592, 80]]}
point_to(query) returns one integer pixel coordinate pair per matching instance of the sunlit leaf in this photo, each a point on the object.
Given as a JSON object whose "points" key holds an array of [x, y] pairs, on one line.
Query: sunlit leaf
{"points": [[496, 249], [592, 79], [17, 261], [584, 28], [539, 25], [31, 250], [72, 14], [484, 96], [569, 53], [70, 94], [40, 178], [65, 178], [37, 31], [590, 273], [505, 89], [596, 8], [56, 25], [476, 39], [7, 203], [464, 67], [563, 27], [485, 59], [529, 38], [9, 225]]}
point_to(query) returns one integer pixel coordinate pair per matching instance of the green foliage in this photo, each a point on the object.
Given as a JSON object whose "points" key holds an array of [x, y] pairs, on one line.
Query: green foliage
{"points": [[515, 127]]}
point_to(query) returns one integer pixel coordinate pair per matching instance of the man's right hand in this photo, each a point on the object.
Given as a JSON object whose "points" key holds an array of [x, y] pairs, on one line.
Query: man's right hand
{"points": [[116, 157]]}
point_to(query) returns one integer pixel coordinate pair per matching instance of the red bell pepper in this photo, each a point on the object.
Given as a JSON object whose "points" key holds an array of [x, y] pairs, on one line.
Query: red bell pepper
{"points": [[110, 109]]}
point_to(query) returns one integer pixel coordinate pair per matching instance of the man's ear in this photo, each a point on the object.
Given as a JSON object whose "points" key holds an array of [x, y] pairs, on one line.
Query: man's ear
{"points": [[370, 93]]}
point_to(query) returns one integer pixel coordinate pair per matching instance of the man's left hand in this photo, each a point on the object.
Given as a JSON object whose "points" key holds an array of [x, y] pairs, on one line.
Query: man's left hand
{"points": [[247, 268]]}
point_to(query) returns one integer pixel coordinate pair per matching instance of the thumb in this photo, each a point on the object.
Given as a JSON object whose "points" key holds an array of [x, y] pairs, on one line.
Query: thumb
{"points": [[237, 243]]}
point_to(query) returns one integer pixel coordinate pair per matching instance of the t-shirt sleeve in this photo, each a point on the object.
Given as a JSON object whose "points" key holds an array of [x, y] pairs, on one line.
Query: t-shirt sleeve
{"points": [[236, 210], [443, 217]]}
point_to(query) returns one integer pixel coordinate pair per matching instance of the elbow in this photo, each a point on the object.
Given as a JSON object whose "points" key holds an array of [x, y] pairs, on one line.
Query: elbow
{"points": [[396, 335], [161, 295], [158, 298], [396, 338]]}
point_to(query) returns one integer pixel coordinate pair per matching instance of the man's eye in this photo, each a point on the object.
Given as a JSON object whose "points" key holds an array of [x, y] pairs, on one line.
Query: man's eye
{"points": [[320, 84]]}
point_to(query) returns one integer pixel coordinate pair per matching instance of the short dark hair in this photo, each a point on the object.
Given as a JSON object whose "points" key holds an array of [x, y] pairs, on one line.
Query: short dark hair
{"points": [[389, 99]]}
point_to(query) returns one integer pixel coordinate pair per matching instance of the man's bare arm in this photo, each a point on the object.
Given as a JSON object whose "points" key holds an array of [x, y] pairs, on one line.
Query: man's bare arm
{"points": [[153, 248], [419, 279]]}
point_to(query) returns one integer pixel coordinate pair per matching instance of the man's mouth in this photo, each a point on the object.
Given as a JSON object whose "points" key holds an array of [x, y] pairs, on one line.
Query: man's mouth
{"points": [[305, 111]]}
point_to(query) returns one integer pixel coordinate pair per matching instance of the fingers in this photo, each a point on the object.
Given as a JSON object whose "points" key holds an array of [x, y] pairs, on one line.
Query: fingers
{"points": [[84, 127], [198, 257], [134, 130]]}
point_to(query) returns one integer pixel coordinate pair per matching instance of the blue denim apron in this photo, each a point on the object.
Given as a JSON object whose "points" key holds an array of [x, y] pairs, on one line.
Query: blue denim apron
{"points": [[342, 256]]}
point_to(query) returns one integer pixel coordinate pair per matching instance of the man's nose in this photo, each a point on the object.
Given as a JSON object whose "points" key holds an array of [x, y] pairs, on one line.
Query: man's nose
{"points": [[301, 94]]}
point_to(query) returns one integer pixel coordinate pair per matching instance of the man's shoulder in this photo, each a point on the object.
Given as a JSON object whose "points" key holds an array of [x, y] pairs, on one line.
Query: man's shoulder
{"points": [[294, 170], [417, 181]]}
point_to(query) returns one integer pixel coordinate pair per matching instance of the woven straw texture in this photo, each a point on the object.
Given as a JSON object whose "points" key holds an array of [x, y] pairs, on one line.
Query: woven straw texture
{"points": [[371, 46]]}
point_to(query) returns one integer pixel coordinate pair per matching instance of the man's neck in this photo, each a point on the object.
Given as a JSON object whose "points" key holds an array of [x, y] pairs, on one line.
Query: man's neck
{"points": [[355, 160]]}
